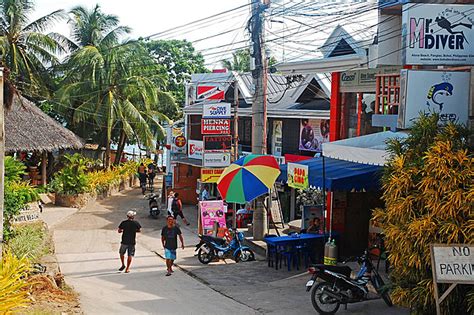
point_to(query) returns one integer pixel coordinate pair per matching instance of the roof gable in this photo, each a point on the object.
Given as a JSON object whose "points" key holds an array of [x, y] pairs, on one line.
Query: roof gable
{"points": [[341, 43]]}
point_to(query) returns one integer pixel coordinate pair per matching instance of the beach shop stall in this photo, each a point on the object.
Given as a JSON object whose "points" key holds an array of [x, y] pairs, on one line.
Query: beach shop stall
{"points": [[354, 190]]}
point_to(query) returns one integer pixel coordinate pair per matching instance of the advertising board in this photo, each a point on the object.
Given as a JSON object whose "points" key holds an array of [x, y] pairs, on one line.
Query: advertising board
{"points": [[195, 149], [313, 133], [298, 176], [438, 34], [216, 110], [210, 175], [221, 159], [217, 143], [443, 92], [215, 126], [212, 211]]}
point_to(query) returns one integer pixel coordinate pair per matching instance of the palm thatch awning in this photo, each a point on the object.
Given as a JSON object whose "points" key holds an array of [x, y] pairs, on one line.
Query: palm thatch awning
{"points": [[28, 128]]}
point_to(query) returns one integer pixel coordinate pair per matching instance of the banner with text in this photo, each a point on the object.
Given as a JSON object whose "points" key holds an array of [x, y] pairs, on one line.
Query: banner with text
{"points": [[216, 110], [298, 176], [217, 143], [211, 175], [215, 126]]}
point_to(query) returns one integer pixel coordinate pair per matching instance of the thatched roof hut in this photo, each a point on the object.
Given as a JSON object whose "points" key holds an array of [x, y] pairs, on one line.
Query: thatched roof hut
{"points": [[28, 128]]}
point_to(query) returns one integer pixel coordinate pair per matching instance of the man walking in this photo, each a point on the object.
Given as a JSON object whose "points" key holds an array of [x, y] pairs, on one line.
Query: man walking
{"points": [[169, 235], [129, 229], [177, 208]]}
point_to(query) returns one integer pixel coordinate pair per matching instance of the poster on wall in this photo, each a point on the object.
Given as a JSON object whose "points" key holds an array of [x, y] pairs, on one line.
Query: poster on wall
{"points": [[310, 213], [438, 34], [443, 92], [277, 137], [212, 211], [298, 176], [313, 133]]}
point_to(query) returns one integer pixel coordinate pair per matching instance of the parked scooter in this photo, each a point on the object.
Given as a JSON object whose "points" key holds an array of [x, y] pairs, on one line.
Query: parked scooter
{"points": [[211, 248], [338, 287], [153, 205]]}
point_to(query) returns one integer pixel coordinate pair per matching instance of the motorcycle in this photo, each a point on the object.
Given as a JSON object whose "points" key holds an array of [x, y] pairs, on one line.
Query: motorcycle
{"points": [[210, 248], [338, 287], [153, 205]]}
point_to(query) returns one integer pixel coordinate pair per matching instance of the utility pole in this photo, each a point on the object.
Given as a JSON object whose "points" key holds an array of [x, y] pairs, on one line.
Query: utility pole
{"points": [[2, 160], [259, 106]]}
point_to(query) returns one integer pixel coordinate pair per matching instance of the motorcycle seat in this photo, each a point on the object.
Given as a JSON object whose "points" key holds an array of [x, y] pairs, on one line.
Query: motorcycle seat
{"points": [[217, 240], [344, 270]]}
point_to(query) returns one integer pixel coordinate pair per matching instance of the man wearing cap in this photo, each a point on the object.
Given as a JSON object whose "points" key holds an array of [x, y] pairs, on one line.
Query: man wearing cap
{"points": [[129, 229]]}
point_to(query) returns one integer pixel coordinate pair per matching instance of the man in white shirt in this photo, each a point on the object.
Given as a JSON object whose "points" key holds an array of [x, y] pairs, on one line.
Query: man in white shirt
{"points": [[170, 202]]}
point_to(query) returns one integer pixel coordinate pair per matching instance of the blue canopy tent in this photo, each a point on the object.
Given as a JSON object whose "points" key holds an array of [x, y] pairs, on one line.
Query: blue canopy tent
{"points": [[339, 175]]}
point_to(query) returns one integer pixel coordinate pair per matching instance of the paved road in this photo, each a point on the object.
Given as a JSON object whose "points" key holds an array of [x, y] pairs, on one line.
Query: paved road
{"points": [[87, 243]]}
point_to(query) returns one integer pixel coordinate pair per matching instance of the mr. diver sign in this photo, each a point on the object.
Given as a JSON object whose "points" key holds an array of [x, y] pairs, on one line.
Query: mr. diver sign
{"points": [[438, 34]]}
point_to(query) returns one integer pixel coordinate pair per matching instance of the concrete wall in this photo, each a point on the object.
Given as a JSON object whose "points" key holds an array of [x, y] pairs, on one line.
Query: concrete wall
{"points": [[389, 41]]}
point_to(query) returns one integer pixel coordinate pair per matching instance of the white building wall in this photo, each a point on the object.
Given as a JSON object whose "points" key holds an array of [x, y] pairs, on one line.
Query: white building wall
{"points": [[388, 52]]}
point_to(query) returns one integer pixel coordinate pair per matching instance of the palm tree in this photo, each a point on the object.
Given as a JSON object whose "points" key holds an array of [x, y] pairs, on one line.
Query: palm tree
{"points": [[115, 85], [240, 61], [26, 51]]}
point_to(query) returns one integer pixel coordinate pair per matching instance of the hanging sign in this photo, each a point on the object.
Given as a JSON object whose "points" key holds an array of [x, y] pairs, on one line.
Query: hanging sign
{"points": [[443, 92], [221, 159], [298, 176], [209, 92], [211, 175], [217, 143], [195, 149], [216, 110], [215, 126], [438, 34]]}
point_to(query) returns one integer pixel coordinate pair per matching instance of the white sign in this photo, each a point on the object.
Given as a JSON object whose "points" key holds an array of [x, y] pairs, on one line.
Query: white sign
{"points": [[216, 159], [195, 149], [453, 263], [443, 92], [216, 110], [438, 34]]}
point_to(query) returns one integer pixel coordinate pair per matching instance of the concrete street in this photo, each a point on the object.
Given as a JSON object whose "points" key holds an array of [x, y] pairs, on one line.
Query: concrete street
{"points": [[87, 244]]}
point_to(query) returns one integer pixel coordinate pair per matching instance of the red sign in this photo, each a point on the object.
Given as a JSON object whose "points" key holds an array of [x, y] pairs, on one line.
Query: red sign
{"points": [[215, 126], [210, 93], [180, 141]]}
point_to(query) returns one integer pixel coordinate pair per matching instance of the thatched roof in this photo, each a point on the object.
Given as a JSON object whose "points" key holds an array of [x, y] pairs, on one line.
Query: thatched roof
{"points": [[28, 128]]}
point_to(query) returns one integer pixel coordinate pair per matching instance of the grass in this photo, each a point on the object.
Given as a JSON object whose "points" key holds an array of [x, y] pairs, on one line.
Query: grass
{"points": [[30, 240]]}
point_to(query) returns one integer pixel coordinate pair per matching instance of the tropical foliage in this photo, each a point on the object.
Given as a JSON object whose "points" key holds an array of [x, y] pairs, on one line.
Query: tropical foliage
{"points": [[101, 181], [30, 240], [240, 61], [429, 196], [72, 179], [26, 50], [13, 282], [115, 87]]}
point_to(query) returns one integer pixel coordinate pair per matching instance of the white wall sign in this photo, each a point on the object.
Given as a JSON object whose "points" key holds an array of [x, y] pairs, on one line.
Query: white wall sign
{"points": [[216, 159], [444, 92], [438, 34], [453, 263], [216, 110], [195, 149]]}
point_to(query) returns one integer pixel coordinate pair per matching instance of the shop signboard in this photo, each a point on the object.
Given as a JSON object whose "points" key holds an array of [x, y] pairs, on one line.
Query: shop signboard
{"points": [[313, 133], [179, 141], [277, 137], [298, 176], [217, 143], [210, 92], [195, 149], [216, 110], [216, 159], [438, 34], [212, 211], [443, 92], [351, 80], [211, 175], [215, 126]]}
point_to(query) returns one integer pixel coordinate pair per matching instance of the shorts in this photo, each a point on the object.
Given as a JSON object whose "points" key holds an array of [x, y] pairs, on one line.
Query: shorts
{"points": [[127, 248], [177, 214], [170, 254]]}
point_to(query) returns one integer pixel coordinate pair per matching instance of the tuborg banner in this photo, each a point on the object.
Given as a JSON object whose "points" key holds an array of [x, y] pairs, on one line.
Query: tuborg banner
{"points": [[438, 34]]}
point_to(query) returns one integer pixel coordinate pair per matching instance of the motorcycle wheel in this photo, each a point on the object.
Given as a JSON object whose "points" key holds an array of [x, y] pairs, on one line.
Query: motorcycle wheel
{"points": [[204, 257], [323, 303], [378, 284], [245, 255]]}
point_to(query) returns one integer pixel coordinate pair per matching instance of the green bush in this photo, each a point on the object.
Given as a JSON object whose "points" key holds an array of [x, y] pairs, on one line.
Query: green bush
{"points": [[14, 169], [72, 179], [29, 240]]}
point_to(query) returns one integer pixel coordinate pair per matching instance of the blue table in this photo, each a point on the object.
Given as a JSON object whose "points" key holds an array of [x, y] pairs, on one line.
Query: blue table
{"points": [[276, 243]]}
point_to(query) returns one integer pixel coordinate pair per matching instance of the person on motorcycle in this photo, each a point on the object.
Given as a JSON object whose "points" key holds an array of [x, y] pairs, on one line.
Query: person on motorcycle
{"points": [[151, 173]]}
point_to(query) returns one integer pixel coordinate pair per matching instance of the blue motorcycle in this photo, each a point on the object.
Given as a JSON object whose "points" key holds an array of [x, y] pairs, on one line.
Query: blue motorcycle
{"points": [[210, 248]]}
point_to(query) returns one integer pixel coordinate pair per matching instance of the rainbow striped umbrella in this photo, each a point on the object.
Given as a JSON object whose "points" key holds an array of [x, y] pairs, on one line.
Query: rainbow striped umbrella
{"points": [[248, 177]]}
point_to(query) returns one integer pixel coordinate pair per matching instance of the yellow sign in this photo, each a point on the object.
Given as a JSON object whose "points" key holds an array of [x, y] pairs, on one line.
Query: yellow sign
{"points": [[211, 175]]}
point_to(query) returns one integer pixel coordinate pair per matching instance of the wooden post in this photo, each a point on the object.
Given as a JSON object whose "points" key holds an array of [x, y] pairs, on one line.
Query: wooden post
{"points": [[44, 163], [2, 160]]}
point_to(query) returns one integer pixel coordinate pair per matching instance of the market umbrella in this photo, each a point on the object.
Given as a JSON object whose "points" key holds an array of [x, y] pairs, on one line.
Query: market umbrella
{"points": [[248, 177]]}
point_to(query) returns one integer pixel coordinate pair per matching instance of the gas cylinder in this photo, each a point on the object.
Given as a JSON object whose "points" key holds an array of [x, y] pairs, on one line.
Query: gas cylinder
{"points": [[330, 253]]}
